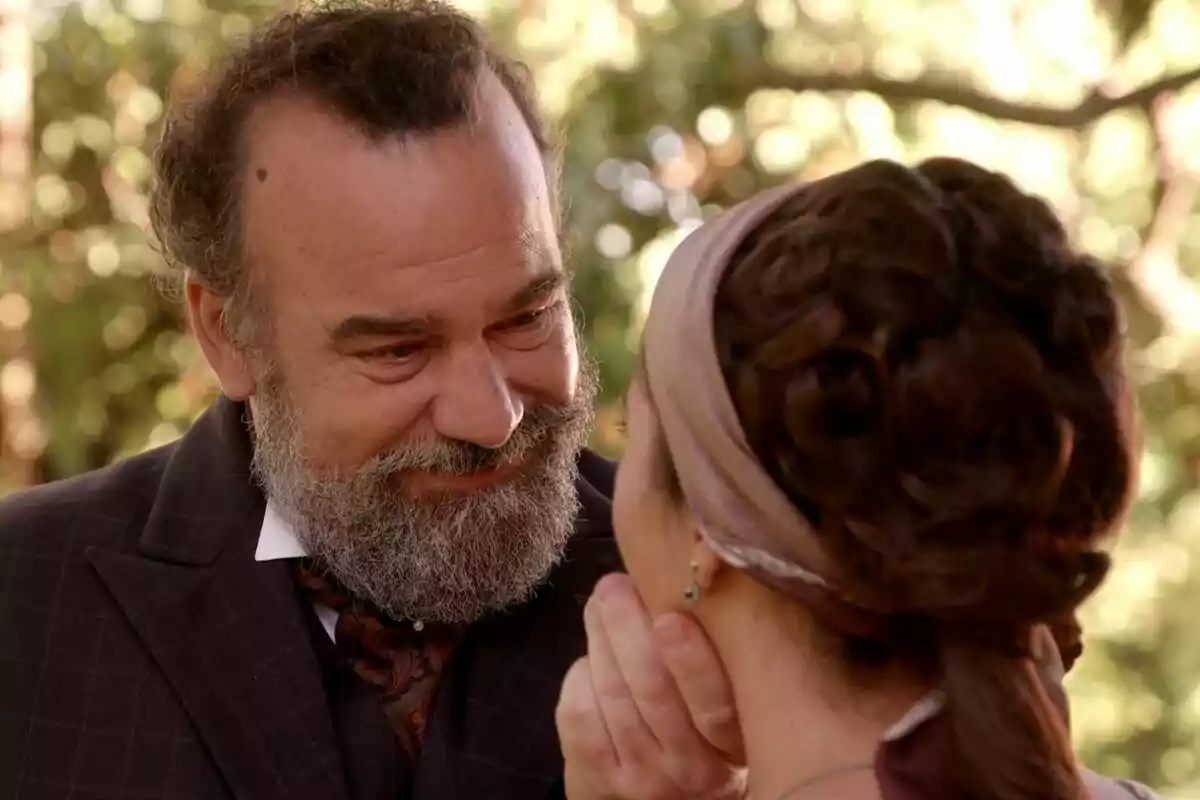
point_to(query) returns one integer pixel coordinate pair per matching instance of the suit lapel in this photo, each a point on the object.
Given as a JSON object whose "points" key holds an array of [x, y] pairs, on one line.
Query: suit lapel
{"points": [[492, 734], [227, 631]]}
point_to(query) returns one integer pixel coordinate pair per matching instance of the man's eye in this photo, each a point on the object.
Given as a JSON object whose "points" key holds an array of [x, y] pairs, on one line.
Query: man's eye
{"points": [[396, 352], [528, 330], [526, 320]]}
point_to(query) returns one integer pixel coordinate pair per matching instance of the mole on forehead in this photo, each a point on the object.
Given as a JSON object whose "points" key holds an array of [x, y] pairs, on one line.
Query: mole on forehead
{"points": [[261, 173]]}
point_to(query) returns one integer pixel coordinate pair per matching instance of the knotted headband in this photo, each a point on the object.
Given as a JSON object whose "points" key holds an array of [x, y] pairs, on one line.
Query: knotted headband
{"points": [[745, 517]]}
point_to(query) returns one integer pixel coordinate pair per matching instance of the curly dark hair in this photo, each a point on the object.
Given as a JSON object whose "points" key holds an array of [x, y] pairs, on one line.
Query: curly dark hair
{"points": [[934, 377], [387, 67]]}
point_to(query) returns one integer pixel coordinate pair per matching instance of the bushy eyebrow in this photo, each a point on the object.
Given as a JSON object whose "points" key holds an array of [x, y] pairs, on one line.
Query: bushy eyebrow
{"points": [[360, 326], [538, 290]]}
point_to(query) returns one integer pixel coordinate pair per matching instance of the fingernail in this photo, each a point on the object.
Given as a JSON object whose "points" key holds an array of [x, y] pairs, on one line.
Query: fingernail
{"points": [[671, 630]]}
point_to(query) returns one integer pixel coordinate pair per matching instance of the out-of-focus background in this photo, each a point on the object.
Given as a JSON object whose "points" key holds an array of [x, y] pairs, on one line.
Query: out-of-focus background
{"points": [[668, 108]]}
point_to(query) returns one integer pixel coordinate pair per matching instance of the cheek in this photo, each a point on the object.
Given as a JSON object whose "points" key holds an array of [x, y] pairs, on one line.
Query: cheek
{"points": [[644, 532], [346, 419], [362, 419], [549, 373]]}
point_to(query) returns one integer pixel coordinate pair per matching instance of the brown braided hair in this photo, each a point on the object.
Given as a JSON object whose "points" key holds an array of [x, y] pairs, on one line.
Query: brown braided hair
{"points": [[933, 375]]}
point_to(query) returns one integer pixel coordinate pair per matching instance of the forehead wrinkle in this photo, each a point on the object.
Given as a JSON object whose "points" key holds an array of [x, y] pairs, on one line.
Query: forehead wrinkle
{"points": [[543, 252], [529, 241]]}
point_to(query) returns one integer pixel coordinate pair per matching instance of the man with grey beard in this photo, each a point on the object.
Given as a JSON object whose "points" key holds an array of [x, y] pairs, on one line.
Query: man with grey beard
{"points": [[435, 556], [361, 574]]}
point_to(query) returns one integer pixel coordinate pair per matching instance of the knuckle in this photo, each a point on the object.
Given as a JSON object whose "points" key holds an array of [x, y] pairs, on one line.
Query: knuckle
{"points": [[570, 713], [657, 690], [572, 705], [574, 711], [580, 727], [629, 735], [611, 688], [598, 758]]}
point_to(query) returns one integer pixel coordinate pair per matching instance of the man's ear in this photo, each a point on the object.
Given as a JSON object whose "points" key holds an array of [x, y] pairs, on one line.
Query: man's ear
{"points": [[206, 313]]}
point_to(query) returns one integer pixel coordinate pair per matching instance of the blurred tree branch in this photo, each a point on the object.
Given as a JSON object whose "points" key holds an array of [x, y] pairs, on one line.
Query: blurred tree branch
{"points": [[1129, 18], [1155, 271], [955, 92]]}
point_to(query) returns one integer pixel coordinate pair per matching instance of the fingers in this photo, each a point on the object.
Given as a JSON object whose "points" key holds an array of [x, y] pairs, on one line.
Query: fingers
{"points": [[581, 729], [626, 728], [697, 670], [631, 737], [661, 706]]}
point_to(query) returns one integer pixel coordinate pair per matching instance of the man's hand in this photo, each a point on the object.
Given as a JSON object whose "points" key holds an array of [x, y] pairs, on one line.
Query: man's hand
{"points": [[648, 714]]}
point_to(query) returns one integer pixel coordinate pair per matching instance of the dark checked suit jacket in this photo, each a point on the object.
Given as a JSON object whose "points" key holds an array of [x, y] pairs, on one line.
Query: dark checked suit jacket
{"points": [[145, 654]]}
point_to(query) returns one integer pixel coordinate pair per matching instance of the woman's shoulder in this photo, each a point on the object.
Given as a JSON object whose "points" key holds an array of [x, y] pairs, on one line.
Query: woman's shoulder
{"points": [[1102, 788]]}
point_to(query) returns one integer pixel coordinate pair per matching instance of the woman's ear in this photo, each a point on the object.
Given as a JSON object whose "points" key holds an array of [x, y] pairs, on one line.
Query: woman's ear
{"points": [[704, 561]]}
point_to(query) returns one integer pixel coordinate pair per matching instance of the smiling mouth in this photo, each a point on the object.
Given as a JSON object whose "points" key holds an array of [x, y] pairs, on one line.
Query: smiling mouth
{"points": [[421, 482]]}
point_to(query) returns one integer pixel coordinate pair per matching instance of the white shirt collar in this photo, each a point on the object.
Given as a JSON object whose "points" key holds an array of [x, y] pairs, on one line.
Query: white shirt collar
{"points": [[276, 539]]}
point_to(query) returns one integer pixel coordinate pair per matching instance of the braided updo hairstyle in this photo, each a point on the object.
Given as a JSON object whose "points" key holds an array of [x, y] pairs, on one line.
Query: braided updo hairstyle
{"points": [[933, 375]]}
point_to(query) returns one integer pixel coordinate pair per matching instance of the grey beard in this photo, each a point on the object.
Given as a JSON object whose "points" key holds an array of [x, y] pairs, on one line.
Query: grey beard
{"points": [[449, 559]]}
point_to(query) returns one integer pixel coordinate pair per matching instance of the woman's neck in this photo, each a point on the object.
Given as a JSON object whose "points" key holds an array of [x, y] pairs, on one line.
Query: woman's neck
{"points": [[803, 720]]}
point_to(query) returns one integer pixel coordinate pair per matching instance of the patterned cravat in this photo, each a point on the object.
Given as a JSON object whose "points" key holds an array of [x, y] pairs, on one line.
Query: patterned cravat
{"points": [[402, 662]]}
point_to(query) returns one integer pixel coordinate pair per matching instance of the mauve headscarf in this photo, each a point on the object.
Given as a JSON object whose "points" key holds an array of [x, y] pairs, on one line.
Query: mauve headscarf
{"points": [[748, 520]]}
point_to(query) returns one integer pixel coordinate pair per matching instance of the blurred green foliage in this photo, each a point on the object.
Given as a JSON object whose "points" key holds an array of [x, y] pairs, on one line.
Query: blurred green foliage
{"points": [[669, 109]]}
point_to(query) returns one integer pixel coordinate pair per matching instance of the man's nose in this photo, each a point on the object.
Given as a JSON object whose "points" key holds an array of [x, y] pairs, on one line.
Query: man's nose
{"points": [[475, 404]]}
